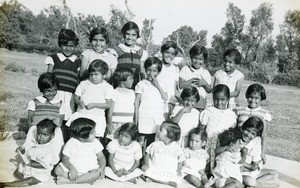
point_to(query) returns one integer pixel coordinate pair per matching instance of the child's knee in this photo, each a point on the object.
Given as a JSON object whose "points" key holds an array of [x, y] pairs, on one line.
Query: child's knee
{"points": [[58, 170], [249, 181]]}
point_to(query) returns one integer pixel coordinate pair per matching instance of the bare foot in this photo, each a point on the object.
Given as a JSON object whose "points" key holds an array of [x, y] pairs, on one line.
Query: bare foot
{"points": [[62, 180], [148, 179], [133, 180], [173, 184]]}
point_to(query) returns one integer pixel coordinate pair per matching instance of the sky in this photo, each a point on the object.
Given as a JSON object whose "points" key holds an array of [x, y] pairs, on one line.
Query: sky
{"points": [[170, 15]]}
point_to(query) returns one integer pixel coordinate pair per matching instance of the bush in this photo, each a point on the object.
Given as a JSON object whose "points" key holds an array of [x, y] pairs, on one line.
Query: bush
{"points": [[15, 68], [292, 78]]}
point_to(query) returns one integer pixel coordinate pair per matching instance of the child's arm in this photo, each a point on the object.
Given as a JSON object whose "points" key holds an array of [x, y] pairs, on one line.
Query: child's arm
{"points": [[83, 66], [136, 107], [238, 88], [163, 94], [50, 68], [79, 102], [119, 173], [73, 174], [146, 162], [263, 142], [187, 83], [35, 164], [135, 165], [109, 118], [105, 105], [179, 168], [179, 115], [244, 152], [102, 164], [29, 118]]}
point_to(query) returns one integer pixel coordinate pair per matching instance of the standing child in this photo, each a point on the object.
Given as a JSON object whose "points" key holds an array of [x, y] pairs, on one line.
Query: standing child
{"points": [[255, 94], [230, 76], [124, 155], [41, 156], [187, 116], [163, 158], [98, 40], [149, 102], [93, 96], [196, 158], [82, 157], [196, 75], [217, 119]]}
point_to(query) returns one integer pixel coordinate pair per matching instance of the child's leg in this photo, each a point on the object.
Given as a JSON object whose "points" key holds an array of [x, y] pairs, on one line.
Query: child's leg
{"points": [[21, 183], [232, 183], [171, 183], [266, 175], [89, 177], [193, 180]]}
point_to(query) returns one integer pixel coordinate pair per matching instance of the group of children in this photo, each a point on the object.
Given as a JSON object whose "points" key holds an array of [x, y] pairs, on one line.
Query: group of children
{"points": [[120, 114]]}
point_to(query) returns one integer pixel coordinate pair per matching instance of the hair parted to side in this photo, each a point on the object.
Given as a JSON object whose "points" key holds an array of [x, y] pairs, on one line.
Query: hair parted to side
{"points": [[256, 88], [66, 35], [153, 61], [254, 122], [198, 49], [46, 81], [189, 92], [229, 136], [233, 53], [98, 66], [173, 130], [120, 75], [81, 128], [198, 131], [99, 31], [128, 26], [167, 45], [130, 128], [221, 88], [46, 124]]}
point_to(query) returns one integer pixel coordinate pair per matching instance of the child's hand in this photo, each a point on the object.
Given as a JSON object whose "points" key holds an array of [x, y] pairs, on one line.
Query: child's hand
{"points": [[125, 172], [263, 157], [100, 173], [196, 82], [22, 150], [155, 82], [119, 173], [90, 106], [145, 167], [73, 174], [81, 105], [187, 109], [201, 172], [179, 173]]}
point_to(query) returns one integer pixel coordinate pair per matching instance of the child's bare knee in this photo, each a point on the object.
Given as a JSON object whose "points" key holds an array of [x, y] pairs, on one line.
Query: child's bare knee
{"points": [[58, 171]]}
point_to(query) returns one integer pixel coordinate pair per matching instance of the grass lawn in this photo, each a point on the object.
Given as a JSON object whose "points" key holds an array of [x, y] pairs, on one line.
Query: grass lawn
{"points": [[17, 88]]}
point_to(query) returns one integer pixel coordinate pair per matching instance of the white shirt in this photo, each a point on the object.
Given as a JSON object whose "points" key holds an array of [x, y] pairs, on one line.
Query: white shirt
{"points": [[168, 77], [107, 57], [123, 103], [62, 57]]}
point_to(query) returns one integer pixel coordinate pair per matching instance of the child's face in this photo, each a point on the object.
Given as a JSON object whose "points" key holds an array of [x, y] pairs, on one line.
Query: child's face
{"points": [[249, 134], [195, 142], [197, 61], [168, 55], [254, 100], [190, 101], [91, 137], [220, 101], [152, 72], [68, 49], [162, 135], [130, 37], [124, 138], [235, 147], [129, 81], [229, 64], [50, 93], [43, 135], [96, 77], [99, 43]]}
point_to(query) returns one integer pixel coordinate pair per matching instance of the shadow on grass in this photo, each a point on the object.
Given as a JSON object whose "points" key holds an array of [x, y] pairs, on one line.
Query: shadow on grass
{"points": [[22, 129]]}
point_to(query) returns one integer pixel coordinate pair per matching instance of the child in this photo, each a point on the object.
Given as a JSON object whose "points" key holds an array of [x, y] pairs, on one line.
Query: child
{"points": [[163, 158], [65, 67], [98, 40], [130, 54], [82, 157], [187, 116], [253, 174], [124, 155], [41, 156], [196, 75], [48, 105], [122, 109], [149, 102], [217, 119], [255, 94], [230, 76], [196, 158]]}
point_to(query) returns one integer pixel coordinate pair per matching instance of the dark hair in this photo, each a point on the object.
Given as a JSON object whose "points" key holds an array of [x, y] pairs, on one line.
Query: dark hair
{"points": [[198, 49], [81, 128], [153, 61], [98, 66], [198, 131], [129, 26], [235, 53], [173, 130], [189, 92], [167, 45], [66, 35], [48, 124], [256, 88], [221, 88], [47, 80], [229, 136], [99, 31], [254, 122], [131, 128], [120, 75]]}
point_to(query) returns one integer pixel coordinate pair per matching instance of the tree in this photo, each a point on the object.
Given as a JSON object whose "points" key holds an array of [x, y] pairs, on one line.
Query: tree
{"points": [[146, 33]]}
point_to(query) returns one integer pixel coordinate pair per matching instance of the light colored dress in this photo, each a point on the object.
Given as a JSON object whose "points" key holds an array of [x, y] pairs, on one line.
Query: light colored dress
{"points": [[245, 112], [107, 57]]}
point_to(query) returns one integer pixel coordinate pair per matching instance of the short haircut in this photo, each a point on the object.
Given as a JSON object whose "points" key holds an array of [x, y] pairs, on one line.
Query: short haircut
{"points": [[229, 136], [48, 124], [198, 131], [198, 49], [254, 122], [153, 61], [120, 75], [99, 31], [189, 92], [66, 35], [130, 128], [98, 66], [256, 88], [129, 26], [233, 53], [173, 130], [46, 81], [167, 45], [221, 88], [82, 128]]}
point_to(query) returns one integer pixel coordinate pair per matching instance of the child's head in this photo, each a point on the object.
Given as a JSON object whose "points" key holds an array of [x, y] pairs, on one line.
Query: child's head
{"points": [[254, 94], [198, 55], [197, 138], [252, 128], [122, 77], [190, 96], [97, 71], [45, 131], [221, 96], [127, 133], [152, 66], [169, 132], [83, 129], [131, 33], [232, 57], [168, 50], [231, 137], [99, 39], [67, 41], [48, 84]]}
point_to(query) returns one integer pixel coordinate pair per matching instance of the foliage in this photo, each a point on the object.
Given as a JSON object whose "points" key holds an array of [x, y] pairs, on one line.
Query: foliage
{"points": [[15, 68]]}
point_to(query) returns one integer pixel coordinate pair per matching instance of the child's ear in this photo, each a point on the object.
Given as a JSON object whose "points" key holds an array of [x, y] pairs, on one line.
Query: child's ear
{"points": [[203, 143], [53, 134], [104, 75]]}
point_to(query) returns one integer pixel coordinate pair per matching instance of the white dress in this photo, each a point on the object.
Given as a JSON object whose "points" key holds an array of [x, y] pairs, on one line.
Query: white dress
{"points": [[107, 57]]}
